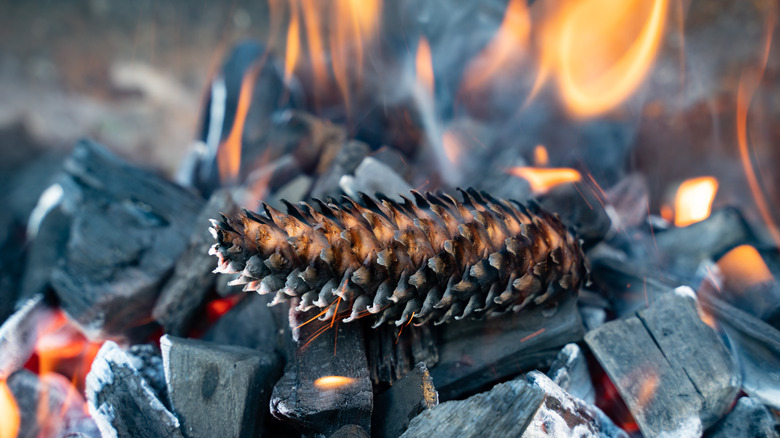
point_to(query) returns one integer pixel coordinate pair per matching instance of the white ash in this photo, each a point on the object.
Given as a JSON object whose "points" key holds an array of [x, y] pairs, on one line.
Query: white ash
{"points": [[111, 368]]}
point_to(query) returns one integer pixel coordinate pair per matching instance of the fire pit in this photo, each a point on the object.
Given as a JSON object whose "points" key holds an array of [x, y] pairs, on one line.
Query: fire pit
{"points": [[499, 218]]}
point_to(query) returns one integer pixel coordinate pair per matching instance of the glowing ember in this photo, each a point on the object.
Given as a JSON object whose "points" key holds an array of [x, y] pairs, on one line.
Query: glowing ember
{"points": [[743, 267], [333, 382], [647, 388], [601, 51], [543, 180], [509, 44], [424, 66], [9, 412], [694, 200]]}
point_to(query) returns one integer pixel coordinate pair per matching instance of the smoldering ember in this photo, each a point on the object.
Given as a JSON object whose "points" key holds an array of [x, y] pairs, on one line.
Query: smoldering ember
{"points": [[481, 218]]}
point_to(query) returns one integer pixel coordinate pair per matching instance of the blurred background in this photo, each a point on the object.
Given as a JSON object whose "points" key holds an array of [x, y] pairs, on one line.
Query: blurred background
{"points": [[130, 75]]}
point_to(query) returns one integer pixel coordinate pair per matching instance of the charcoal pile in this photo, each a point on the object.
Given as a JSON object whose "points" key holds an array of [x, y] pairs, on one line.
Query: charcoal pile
{"points": [[369, 250]]}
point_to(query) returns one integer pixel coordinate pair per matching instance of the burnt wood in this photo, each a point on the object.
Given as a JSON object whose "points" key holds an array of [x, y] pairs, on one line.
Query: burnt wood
{"points": [[473, 354], [336, 351], [184, 293], [217, 389], [128, 228]]}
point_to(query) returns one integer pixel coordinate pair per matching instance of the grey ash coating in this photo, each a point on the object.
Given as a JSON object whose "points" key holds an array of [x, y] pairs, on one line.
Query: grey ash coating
{"points": [[431, 258]]}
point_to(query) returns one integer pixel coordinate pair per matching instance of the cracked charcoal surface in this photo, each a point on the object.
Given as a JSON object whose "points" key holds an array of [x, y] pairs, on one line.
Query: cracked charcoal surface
{"points": [[431, 258]]}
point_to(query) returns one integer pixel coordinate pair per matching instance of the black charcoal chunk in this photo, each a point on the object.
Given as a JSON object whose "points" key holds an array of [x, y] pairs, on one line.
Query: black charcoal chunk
{"points": [[128, 229], [346, 161], [326, 385], [49, 404], [671, 369], [476, 353], [193, 278], [350, 431], [690, 345], [749, 418], [580, 208], [146, 358], [293, 192], [372, 176], [394, 409], [569, 370], [681, 250], [121, 401], [218, 390], [661, 399], [391, 355], [48, 231], [629, 285], [754, 342], [504, 411]]}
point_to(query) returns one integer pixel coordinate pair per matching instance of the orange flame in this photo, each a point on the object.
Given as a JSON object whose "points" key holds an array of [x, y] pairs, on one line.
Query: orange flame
{"points": [[743, 267], [62, 349], [229, 152], [601, 51], [9, 412], [424, 66], [508, 45], [747, 87], [543, 180], [293, 42], [311, 19], [333, 382], [541, 157], [693, 202], [349, 26]]}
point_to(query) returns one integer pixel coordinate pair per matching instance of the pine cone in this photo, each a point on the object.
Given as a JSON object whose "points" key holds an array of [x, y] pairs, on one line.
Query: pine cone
{"points": [[431, 258]]}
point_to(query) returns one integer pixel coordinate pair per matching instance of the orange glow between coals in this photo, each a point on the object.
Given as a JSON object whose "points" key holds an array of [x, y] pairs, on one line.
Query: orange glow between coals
{"points": [[743, 267], [333, 382], [693, 202], [543, 180], [600, 50], [509, 44], [9, 412]]}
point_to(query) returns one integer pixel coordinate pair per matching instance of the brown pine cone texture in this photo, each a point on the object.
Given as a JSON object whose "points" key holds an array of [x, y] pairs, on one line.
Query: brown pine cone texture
{"points": [[431, 258]]}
